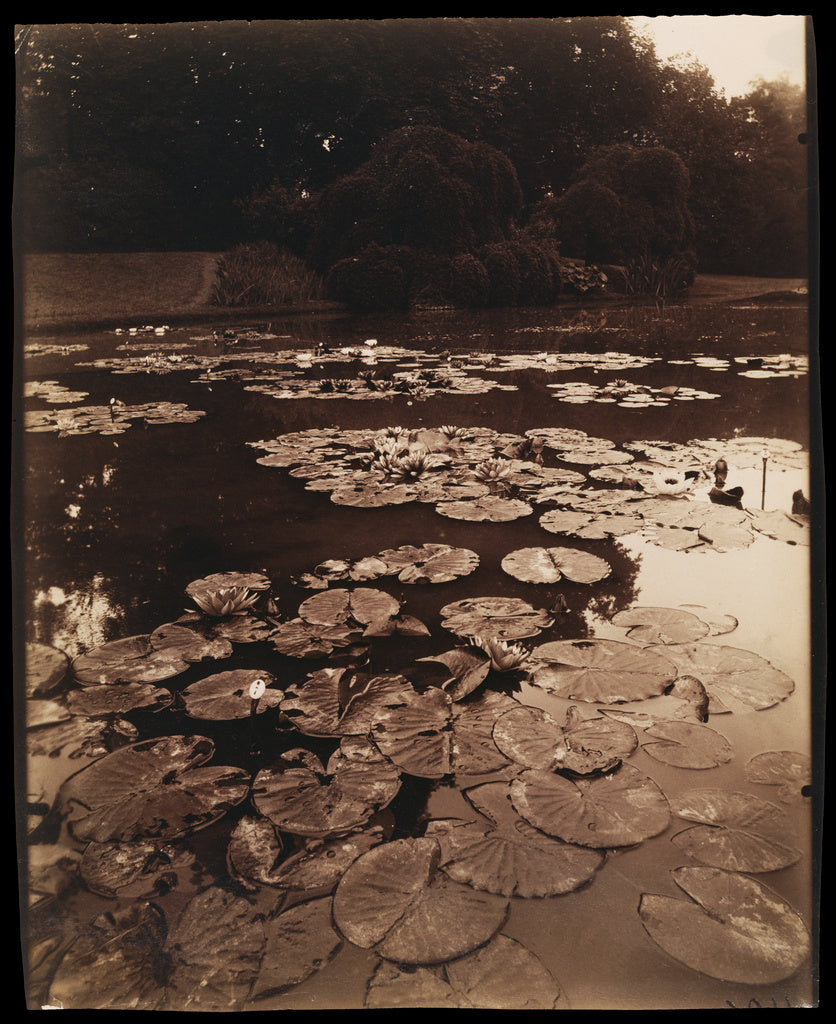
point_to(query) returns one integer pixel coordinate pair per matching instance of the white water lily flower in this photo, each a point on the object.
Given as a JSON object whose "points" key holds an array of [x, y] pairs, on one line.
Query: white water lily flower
{"points": [[671, 481], [492, 469], [227, 601], [505, 657]]}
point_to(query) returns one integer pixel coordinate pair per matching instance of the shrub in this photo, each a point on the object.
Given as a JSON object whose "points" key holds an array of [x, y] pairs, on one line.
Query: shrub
{"points": [[262, 274], [378, 278], [503, 270]]}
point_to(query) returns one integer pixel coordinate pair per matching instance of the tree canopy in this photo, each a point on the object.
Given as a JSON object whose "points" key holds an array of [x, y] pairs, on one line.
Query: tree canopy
{"points": [[181, 135]]}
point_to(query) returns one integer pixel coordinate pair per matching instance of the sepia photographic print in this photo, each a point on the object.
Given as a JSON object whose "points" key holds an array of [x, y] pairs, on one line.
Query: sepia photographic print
{"points": [[417, 514]]}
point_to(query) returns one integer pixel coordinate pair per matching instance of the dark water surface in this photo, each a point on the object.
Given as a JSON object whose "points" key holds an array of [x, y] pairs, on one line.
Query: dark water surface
{"points": [[116, 526]]}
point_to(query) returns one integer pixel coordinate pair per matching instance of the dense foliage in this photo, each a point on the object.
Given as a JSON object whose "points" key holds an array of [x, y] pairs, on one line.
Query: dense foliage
{"points": [[193, 135]]}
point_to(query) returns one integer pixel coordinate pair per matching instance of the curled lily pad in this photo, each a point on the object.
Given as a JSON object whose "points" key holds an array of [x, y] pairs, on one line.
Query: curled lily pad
{"points": [[687, 745], [790, 770], [154, 789], [619, 809], [467, 668], [46, 669], [394, 901], [735, 831], [118, 699], [732, 928], [299, 941], [415, 733], [430, 563], [505, 855], [140, 869], [661, 625], [130, 660], [301, 796], [226, 695], [533, 738], [604, 671], [336, 702], [504, 618], [548, 565], [501, 975], [734, 677]]}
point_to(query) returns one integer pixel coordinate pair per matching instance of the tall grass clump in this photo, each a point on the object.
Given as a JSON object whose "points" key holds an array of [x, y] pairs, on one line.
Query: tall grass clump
{"points": [[263, 274], [661, 277]]}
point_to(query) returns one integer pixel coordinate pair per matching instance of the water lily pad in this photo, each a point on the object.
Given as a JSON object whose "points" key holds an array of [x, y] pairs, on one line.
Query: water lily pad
{"points": [[734, 677], [141, 869], [335, 702], [468, 668], [602, 811], [393, 900], [369, 568], [789, 770], [300, 942], [154, 789], [736, 831], [504, 618], [505, 854], [603, 671], [46, 669], [80, 736], [733, 928], [363, 607], [661, 625], [474, 751], [255, 581], [531, 737], [430, 563], [226, 695], [130, 660], [189, 645], [782, 526], [503, 975], [301, 796], [687, 745], [548, 565], [300, 639], [118, 699], [415, 733], [492, 508]]}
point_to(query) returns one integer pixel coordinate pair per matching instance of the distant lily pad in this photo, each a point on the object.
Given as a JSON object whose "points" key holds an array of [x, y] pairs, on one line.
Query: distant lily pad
{"points": [[735, 677], [603, 811], [430, 563], [154, 789], [548, 565], [733, 928], [504, 618], [661, 625], [505, 855], [492, 508], [602, 671], [226, 695], [394, 901], [503, 975], [303, 797], [255, 581], [735, 831]]}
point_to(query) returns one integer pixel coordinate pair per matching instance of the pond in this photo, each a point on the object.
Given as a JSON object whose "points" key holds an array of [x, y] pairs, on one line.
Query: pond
{"points": [[506, 698]]}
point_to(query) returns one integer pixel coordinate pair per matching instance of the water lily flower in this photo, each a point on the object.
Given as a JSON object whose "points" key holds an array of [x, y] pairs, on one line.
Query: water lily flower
{"points": [[452, 432], [412, 465], [370, 342], [504, 657], [492, 469], [226, 601], [671, 481]]}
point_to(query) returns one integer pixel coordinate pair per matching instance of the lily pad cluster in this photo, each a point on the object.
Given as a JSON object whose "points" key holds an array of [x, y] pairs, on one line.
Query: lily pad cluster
{"points": [[107, 419], [626, 394]]}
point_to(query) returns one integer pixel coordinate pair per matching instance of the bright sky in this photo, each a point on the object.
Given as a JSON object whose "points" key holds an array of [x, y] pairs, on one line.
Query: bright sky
{"points": [[736, 48]]}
